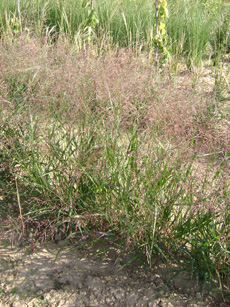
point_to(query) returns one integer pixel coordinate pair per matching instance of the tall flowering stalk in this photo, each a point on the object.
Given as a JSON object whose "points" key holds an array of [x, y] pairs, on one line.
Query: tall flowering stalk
{"points": [[160, 39]]}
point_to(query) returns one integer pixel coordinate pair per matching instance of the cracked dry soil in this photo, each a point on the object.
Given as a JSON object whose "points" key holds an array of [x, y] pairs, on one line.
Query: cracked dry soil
{"points": [[80, 277]]}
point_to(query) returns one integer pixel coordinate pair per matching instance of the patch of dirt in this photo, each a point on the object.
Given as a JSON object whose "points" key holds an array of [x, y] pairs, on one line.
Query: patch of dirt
{"points": [[90, 277]]}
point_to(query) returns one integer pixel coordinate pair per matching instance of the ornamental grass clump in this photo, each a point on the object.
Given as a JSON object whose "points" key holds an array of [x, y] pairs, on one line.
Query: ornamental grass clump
{"points": [[107, 145]]}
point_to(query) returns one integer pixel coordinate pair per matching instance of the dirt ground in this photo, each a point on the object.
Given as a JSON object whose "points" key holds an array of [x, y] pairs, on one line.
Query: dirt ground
{"points": [[87, 276]]}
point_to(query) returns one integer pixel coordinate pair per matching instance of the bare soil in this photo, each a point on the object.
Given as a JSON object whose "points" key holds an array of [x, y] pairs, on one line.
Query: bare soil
{"points": [[91, 276]]}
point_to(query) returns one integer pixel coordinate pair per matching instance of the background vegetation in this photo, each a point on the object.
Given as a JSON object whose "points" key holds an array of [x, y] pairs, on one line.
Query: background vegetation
{"points": [[196, 29], [96, 141]]}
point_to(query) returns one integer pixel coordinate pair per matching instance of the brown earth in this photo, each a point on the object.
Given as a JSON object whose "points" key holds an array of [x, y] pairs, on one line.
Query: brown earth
{"points": [[87, 276]]}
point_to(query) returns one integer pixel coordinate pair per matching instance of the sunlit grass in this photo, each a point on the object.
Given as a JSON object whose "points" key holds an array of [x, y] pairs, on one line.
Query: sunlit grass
{"points": [[111, 145], [196, 29]]}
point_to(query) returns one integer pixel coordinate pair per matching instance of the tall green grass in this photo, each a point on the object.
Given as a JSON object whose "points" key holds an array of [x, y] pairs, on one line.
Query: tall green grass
{"points": [[126, 22], [196, 29]]}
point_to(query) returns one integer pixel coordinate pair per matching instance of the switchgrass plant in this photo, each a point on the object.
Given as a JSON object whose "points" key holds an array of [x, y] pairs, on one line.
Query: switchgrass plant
{"points": [[201, 33], [108, 147], [196, 29], [126, 22]]}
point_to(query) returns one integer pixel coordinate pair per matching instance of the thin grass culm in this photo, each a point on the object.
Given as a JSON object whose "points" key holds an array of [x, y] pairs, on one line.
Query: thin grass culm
{"points": [[19, 206]]}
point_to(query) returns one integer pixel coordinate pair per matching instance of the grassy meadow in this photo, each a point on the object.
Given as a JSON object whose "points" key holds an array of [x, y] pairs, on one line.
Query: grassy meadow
{"points": [[97, 140]]}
